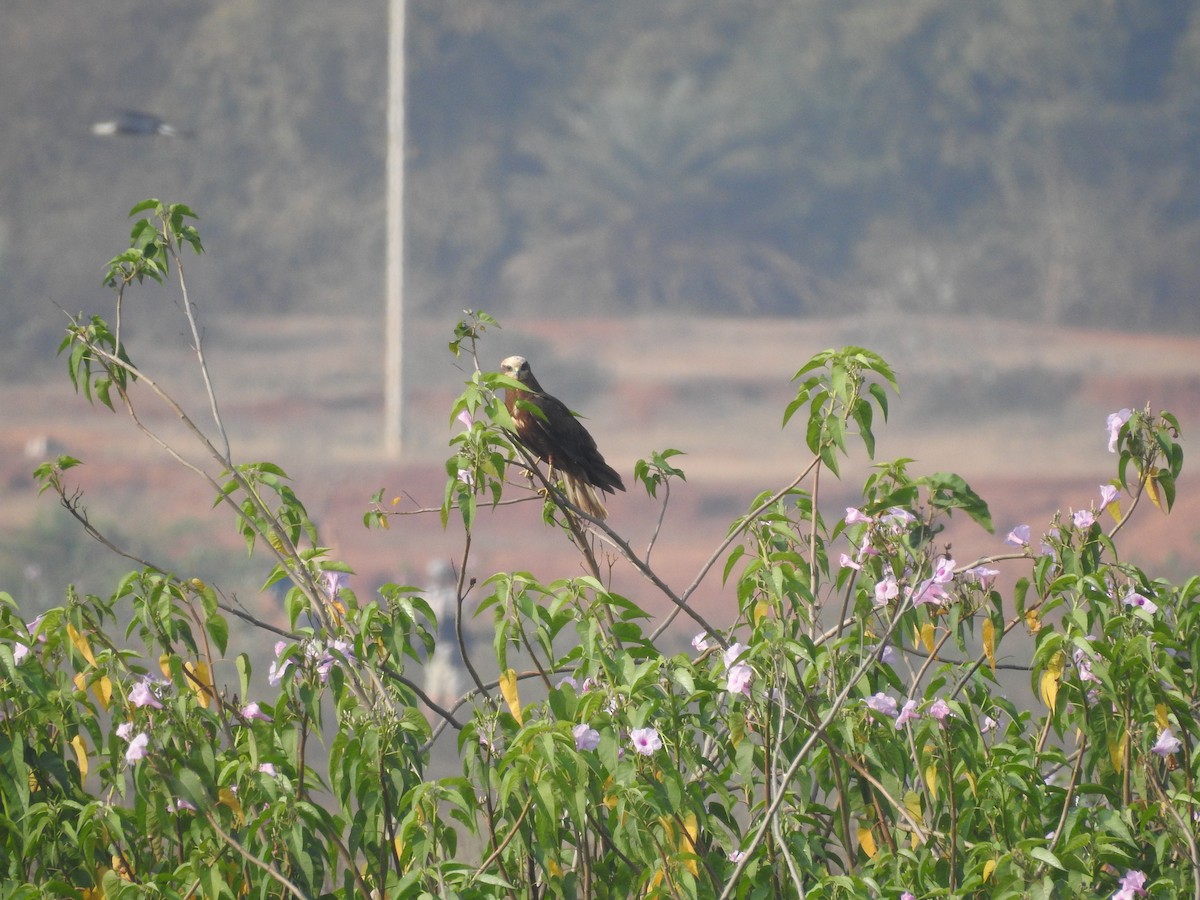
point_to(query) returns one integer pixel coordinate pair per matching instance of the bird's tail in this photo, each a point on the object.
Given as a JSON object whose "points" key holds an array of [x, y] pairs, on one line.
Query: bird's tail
{"points": [[585, 497]]}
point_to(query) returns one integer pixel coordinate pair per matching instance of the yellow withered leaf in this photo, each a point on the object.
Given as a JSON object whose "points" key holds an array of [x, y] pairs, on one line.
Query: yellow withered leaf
{"points": [[81, 643], [687, 843], [927, 636], [761, 608], [912, 802], [989, 642], [1116, 752], [230, 799], [164, 664], [1033, 621], [1160, 716], [101, 687], [1048, 683], [508, 688], [866, 840], [988, 868], [199, 681], [931, 780], [1152, 490], [81, 756]]}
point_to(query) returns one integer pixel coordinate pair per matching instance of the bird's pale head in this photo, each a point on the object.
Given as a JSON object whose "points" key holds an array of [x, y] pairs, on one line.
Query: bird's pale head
{"points": [[516, 367]]}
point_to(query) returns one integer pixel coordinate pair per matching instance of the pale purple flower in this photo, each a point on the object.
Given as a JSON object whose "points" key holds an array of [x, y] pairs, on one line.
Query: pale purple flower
{"points": [[1115, 421], [1167, 744], [334, 581], [738, 679], [1018, 537], [1083, 519], [125, 731], [943, 570], [939, 709], [856, 516], [464, 419], [252, 711], [886, 589], [1132, 883], [586, 737], [887, 655], [267, 768], [988, 724], [1047, 548], [137, 748], [907, 895], [568, 681], [929, 591], [143, 695], [178, 804], [1084, 665], [327, 660], [736, 856], [645, 741], [1133, 598], [882, 703], [700, 642], [732, 652], [897, 519], [907, 714], [981, 574], [275, 672], [20, 651], [1108, 494], [847, 563], [589, 683]]}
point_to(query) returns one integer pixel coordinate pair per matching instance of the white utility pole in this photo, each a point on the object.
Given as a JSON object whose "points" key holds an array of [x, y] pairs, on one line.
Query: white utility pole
{"points": [[393, 368]]}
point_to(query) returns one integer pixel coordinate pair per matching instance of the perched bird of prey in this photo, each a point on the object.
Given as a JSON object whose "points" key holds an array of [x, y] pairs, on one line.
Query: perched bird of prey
{"points": [[557, 437], [132, 122]]}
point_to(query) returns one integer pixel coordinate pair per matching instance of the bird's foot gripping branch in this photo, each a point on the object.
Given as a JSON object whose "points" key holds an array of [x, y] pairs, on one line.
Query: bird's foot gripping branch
{"points": [[870, 718]]}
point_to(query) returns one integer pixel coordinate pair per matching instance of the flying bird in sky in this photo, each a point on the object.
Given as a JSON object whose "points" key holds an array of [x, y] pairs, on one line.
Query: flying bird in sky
{"points": [[559, 439], [132, 122]]}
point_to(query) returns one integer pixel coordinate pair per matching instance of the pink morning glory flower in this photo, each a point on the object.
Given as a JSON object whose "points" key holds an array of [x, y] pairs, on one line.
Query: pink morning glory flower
{"points": [[886, 589], [1018, 537], [178, 804], [464, 419], [1167, 744], [732, 652], [700, 642], [939, 709], [645, 741], [137, 748], [125, 731], [333, 582], [987, 724], [847, 563], [1084, 665], [943, 570], [738, 679], [586, 737], [1133, 598], [143, 695], [907, 895], [1132, 883], [252, 711], [275, 672], [1115, 421], [907, 714], [1108, 494], [929, 591], [267, 768], [897, 519], [882, 703], [983, 575], [736, 856], [856, 516]]}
